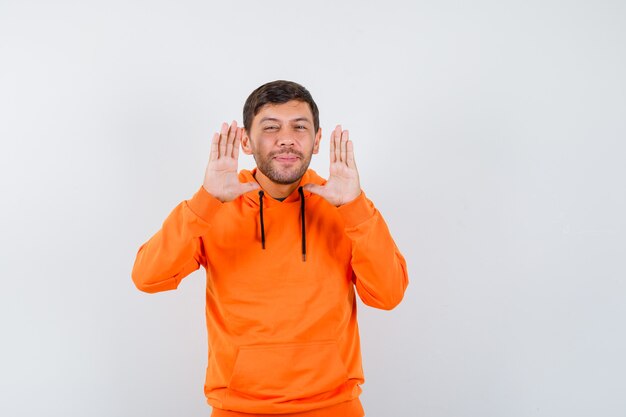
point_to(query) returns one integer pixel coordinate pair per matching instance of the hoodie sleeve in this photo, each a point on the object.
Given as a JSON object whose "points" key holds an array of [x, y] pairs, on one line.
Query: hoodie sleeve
{"points": [[380, 272], [176, 250]]}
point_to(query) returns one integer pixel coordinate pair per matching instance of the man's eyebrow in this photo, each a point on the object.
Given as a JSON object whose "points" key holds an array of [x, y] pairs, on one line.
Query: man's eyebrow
{"points": [[269, 119], [274, 119]]}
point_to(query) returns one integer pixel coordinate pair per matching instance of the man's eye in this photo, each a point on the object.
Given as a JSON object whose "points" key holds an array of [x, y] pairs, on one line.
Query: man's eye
{"points": [[270, 128], [301, 127]]}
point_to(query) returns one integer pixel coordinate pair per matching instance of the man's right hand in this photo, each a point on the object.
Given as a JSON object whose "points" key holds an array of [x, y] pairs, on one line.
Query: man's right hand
{"points": [[220, 178]]}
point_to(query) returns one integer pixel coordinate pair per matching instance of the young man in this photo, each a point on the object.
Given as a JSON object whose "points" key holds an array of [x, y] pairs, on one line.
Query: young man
{"points": [[284, 250]]}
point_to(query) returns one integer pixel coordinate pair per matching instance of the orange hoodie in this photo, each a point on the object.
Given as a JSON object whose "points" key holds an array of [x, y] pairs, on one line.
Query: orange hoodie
{"points": [[280, 300]]}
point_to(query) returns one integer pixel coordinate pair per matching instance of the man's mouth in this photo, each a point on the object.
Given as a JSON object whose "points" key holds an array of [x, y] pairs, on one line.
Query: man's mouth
{"points": [[286, 158]]}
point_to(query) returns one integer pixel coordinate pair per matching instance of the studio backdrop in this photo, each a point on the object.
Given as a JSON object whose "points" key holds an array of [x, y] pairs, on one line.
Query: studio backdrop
{"points": [[490, 135]]}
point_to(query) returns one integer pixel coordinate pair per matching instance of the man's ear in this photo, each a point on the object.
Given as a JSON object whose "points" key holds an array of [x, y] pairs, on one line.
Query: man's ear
{"points": [[246, 144], [318, 138]]}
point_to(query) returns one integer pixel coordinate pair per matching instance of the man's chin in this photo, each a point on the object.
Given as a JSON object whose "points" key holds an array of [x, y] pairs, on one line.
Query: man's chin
{"points": [[283, 180], [286, 176]]}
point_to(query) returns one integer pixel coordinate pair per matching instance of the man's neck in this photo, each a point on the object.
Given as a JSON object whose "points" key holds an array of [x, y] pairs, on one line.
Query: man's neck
{"points": [[276, 191]]}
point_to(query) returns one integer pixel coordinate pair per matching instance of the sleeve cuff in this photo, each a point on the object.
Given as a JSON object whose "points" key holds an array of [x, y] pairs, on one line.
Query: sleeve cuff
{"points": [[357, 211], [204, 205]]}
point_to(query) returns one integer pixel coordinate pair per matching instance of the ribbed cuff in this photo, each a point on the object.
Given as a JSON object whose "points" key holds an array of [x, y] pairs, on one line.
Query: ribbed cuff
{"points": [[204, 205], [357, 211]]}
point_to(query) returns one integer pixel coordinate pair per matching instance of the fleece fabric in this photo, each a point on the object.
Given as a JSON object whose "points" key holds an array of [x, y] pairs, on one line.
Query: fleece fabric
{"points": [[282, 329]]}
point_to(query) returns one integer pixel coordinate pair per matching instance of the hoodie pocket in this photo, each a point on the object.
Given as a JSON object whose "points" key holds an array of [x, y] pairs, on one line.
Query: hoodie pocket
{"points": [[288, 371]]}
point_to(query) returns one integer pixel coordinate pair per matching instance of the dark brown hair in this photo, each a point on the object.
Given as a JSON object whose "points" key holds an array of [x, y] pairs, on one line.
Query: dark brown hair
{"points": [[277, 92]]}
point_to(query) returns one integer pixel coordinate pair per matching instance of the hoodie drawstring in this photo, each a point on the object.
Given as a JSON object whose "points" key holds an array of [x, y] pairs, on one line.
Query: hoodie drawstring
{"points": [[261, 193], [302, 221]]}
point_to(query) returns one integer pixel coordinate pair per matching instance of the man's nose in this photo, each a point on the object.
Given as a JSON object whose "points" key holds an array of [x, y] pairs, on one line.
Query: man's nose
{"points": [[285, 139]]}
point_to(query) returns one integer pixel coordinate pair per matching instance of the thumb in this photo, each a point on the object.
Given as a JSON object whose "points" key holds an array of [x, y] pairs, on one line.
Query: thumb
{"points": [[315, 189], [246, 187]]}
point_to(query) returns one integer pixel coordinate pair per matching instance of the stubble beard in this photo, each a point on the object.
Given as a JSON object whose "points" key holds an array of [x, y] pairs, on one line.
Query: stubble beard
{"points": [[270, 168]]}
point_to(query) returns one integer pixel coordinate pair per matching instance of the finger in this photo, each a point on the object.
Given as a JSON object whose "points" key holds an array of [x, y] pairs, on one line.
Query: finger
{"points": [[323, 191], [337, 143], [343, 145], [232, 137], [315, 189], [214, 147], [232, 132], [332, 146], [223, 139], [237, 143], [246, 187], [350, 154]]}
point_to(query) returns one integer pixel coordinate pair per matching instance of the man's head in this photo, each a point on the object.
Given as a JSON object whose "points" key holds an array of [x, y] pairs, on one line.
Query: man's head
{"points": [[282, 132], [277, 92]]}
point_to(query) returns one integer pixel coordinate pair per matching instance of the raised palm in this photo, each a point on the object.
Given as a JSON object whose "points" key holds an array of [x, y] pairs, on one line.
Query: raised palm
{"points": [[343, 184], [220, 178]]}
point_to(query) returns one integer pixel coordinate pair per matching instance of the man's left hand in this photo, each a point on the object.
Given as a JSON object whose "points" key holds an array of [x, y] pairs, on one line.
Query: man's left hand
{"points": [[343, 184]]}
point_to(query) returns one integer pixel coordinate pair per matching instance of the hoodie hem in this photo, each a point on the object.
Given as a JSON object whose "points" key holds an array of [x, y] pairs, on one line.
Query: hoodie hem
{"points": [[351, 408]]}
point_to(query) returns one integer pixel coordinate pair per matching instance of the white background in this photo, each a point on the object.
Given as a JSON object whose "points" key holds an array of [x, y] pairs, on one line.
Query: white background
{"points": [[490, 134]]}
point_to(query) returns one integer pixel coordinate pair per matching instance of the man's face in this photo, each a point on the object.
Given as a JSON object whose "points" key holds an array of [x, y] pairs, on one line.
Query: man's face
{"points": [[282, 139]]}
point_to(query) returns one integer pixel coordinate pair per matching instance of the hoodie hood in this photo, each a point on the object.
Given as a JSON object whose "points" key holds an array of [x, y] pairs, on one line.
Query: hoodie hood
{"points": [[252, 197], [261, 199]]}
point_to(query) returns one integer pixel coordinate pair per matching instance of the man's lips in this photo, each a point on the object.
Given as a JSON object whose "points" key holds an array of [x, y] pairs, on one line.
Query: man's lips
{"points": [[286, 158]]}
